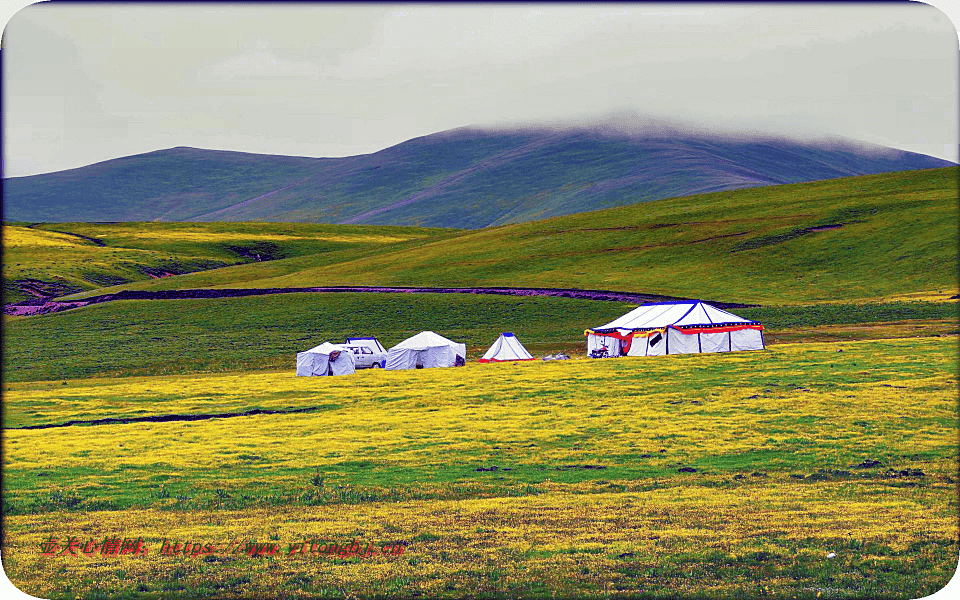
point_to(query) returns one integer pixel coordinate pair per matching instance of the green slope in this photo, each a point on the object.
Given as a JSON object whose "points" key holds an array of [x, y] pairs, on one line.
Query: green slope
{"points": [[864, 237], [55, 259]]}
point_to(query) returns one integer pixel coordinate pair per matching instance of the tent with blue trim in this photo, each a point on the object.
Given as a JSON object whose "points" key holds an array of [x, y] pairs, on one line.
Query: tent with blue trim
{"points": [[506, 348], [676, 328]]}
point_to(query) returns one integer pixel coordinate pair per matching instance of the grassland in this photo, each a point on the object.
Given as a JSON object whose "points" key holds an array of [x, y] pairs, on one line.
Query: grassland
{"points": [[256, 333], [507, 480], [54, 259], [855, 239], [154, 337], [822, 469]]}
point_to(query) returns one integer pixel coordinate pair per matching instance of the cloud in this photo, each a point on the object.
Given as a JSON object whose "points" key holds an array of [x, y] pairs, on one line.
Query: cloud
{"points": [[261, 62], [331, 80], [441, 38]]}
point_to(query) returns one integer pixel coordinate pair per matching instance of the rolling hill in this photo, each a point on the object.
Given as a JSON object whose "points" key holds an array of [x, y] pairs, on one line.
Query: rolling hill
{"points": [[464, 178], [867, 237], [44, 261]]}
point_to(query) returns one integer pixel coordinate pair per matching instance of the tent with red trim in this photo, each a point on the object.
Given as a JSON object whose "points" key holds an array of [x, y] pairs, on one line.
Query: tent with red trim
{"points": [[675, 328], [506, 348]]}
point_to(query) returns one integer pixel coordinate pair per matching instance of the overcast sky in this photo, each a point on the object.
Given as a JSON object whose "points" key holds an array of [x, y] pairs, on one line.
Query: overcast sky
{"points": [[85, 83]]}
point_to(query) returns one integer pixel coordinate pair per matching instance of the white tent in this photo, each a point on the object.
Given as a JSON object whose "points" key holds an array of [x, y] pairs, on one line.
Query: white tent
{"points": [[676, 328], [426, 349], [506, 348], [326, 359]]}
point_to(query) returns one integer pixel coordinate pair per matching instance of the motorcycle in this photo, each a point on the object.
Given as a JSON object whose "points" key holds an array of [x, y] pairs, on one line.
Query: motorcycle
{"points": [[601, 352]]}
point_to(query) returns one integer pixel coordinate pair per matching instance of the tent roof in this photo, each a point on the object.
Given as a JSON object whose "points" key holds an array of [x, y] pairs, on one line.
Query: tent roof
{"points": [[678, 314], [507, 347], [424, 340], [326, 348]]}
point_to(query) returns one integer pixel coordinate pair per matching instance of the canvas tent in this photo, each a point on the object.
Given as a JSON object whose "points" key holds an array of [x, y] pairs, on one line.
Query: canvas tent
{"points": [[676, 328], [325, 359], [426, 349], [506, 348]]}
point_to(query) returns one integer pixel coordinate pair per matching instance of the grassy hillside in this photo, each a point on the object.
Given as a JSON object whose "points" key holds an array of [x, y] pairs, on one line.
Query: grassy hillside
{"points": [[861, 237], [465, 178], [867, 237], [56, 259]]}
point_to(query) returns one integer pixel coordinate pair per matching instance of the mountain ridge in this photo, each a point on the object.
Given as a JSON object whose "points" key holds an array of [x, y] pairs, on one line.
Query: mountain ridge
{"points": [[465, 178]]}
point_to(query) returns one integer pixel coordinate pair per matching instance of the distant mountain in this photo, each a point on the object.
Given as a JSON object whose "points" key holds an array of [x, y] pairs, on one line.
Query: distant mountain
{"points": [[468, 178]]}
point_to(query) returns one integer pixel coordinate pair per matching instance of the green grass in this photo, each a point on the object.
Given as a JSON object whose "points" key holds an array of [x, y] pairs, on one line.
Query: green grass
{"points": [[786, 425], [233, 241], [889, 235], [803, 411], [141, 251], [147, 337], [815, 315], [898, 235], [151, 337], [774, 492]]}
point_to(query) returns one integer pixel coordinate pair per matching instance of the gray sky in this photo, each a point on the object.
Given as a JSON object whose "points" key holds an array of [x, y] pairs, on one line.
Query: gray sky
{"points": [[85, 83]]}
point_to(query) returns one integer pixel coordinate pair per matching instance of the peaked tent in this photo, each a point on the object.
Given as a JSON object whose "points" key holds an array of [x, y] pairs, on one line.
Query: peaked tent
{"points": [[326, 359], [506, 348], [676, 328], [426, 349]]}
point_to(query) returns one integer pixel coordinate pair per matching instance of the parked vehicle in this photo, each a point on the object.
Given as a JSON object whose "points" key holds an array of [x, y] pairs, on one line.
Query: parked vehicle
{"points": [[368, 352]]}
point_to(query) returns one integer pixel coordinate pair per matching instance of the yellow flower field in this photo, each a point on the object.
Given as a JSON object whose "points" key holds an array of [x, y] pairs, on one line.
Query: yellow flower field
{"points": [[690, 476], [678, 539], [17, 237]]}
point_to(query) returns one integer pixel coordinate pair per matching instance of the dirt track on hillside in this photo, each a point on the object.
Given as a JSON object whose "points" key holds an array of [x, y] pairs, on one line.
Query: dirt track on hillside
{"points": [[41, 306]]}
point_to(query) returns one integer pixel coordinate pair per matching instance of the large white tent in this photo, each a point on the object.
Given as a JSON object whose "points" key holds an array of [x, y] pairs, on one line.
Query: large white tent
{"points": [[506, 348], [426, 349], [326, 359], [676, 328]]}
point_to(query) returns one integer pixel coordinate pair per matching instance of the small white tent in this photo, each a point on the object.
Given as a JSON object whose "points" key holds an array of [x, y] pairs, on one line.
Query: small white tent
{"points": [[326, 359], [426, 349], [506, 348], [676, 328]]}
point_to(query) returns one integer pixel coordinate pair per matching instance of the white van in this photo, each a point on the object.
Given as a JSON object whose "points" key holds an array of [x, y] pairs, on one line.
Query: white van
{"points": [[368, 353]]}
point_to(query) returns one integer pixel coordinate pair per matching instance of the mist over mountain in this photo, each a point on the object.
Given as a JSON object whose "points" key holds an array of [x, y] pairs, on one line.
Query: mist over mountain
{"points": [[468, 178]]}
